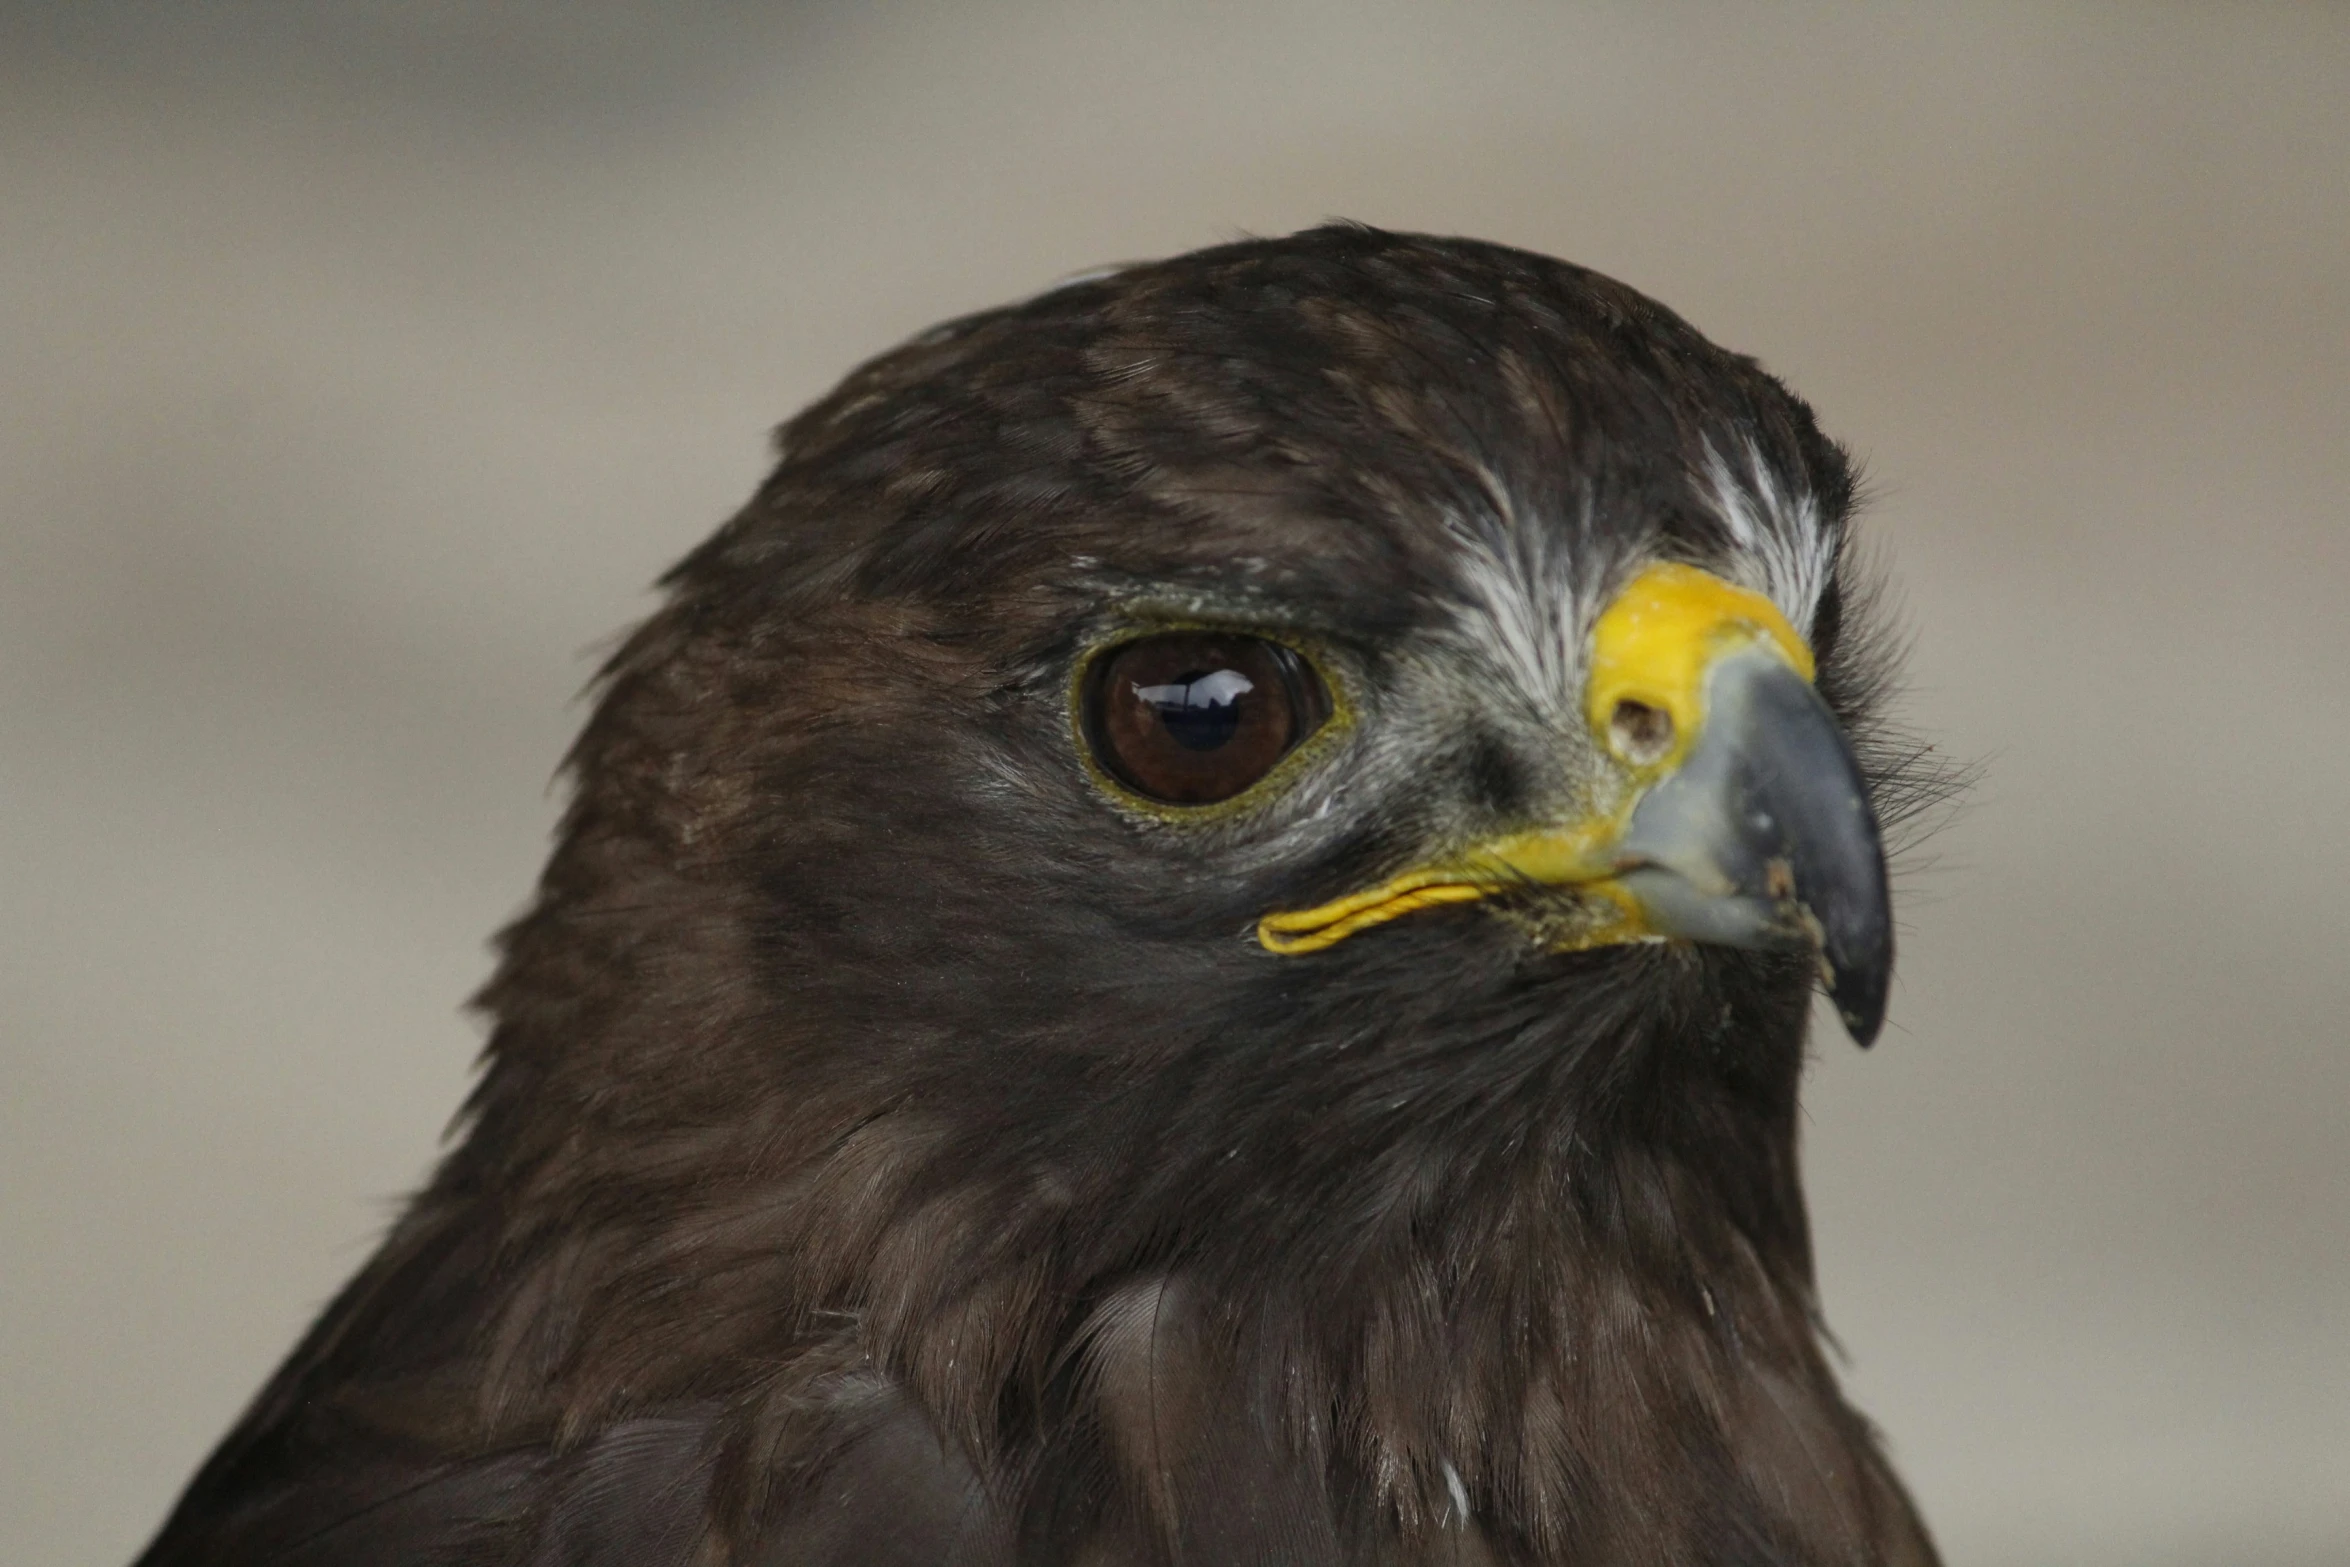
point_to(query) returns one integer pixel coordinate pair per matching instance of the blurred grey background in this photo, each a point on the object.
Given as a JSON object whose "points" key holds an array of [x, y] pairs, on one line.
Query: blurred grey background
{"points": [[361, 362]]}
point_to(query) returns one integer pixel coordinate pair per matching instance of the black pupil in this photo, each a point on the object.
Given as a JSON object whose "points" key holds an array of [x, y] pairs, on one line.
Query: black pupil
{"points": [[1201, 708]]}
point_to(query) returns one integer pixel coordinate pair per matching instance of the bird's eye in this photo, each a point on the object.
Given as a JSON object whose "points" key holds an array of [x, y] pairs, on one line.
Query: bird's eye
{"points": [[1194, 717]]}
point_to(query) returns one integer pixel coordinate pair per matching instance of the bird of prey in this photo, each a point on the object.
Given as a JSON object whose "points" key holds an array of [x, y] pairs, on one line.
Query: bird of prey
{"points": [[1188, 942]]}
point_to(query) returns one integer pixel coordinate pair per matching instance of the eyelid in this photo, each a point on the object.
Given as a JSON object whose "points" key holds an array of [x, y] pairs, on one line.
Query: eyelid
{"points": [[1149, 611]]}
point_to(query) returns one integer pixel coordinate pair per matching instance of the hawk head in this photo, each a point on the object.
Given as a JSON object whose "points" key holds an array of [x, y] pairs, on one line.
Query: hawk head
{"points": [[1319, 774]]}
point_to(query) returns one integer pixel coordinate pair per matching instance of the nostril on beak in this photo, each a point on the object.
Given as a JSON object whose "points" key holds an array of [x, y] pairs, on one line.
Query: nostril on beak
{"points": [[1640, 734]]}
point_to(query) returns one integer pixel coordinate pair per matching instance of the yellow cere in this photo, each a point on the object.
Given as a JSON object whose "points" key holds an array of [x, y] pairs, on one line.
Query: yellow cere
{"points": [[1652, 645]]}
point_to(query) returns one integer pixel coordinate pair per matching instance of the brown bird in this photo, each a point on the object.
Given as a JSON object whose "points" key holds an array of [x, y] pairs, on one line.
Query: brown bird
{"points": [[1189, 942]]}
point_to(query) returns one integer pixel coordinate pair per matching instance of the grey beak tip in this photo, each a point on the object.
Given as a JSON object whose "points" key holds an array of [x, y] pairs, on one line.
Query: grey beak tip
{"points": [[1764, 838], [1859, 992]]}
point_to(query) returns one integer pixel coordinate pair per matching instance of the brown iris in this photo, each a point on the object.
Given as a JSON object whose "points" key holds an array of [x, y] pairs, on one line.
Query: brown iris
{"points": [[1194, 717]]}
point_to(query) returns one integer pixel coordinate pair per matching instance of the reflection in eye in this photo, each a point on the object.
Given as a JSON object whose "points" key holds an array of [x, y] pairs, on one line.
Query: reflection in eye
{"points": [[1200, 710]]}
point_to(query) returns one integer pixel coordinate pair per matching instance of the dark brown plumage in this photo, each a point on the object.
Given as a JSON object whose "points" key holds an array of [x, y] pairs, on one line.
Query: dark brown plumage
{"points": [[896, 1146]]}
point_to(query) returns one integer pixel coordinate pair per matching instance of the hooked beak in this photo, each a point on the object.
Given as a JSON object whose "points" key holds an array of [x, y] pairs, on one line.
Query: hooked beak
{"points": [[1739, 816]]}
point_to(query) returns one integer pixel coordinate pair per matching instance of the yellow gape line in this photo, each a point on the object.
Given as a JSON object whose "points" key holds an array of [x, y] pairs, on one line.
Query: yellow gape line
{"points": [[1311, 930], [1652, 646]]}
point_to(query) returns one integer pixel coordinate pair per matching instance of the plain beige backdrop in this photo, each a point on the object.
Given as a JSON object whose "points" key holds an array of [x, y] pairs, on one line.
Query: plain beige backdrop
{"points": [[361, 362]]}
